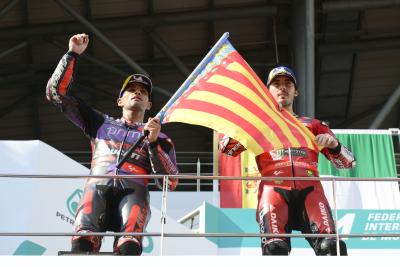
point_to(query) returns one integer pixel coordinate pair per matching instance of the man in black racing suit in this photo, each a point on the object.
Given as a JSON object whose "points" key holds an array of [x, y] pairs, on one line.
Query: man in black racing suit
{"points": [[117, 204]]}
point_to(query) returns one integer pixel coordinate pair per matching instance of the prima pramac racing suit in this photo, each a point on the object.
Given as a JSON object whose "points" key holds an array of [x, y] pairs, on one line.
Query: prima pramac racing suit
{"points": [[284, 206], [115, 204]]}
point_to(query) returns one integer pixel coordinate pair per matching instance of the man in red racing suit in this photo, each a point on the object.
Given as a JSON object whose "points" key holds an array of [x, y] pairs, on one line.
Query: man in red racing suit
{"points": [[120, 205], [284, 206]]}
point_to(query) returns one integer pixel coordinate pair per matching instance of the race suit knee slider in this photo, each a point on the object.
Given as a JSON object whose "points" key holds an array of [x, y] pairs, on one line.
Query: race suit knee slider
{"points": [[276, 247]]}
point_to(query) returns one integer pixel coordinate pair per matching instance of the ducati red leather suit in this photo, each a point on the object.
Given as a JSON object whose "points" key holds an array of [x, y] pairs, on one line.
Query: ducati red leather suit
{"points": [[299, 205]]}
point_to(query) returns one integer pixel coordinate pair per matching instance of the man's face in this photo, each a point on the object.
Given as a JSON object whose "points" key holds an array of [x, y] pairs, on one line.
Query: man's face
{"points": [[135, 97], [283, 90]]}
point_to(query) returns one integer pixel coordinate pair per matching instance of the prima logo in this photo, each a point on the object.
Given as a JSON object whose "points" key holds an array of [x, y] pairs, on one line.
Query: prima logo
{"points": [[73, 201]]}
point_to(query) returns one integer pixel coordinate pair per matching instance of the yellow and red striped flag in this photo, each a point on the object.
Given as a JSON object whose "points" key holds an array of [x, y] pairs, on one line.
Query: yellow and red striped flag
{"points": [[225, 94]]}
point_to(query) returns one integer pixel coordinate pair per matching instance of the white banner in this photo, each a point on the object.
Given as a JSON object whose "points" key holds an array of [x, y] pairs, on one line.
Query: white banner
{"points": [[49, 205]]}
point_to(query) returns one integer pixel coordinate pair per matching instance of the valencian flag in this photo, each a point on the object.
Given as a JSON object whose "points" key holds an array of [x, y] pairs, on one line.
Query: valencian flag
{"points": [[225, 94]]}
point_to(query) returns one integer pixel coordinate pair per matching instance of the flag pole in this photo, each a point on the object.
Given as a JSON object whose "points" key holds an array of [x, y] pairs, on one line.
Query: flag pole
{"points": [[193, 75]]}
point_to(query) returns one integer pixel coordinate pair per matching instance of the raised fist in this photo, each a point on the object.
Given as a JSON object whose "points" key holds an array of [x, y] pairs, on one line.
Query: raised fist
{"points": [[78, 43]]}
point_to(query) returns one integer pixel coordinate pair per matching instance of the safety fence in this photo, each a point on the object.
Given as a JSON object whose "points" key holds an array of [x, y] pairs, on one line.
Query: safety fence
{"points": [[163, 234], [196, 163]]}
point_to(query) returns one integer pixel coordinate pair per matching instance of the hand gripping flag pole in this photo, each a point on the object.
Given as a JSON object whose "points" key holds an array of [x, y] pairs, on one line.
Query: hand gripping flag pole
{"points": [[128, 153], [177, 94], [225, 94]]}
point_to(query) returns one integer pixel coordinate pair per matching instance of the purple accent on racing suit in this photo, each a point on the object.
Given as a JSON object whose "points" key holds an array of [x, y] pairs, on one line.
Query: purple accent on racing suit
{"points": [[110, 204], [110, 138]]}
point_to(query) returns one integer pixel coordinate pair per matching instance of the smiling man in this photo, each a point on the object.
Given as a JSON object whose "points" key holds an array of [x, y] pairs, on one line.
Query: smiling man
{"points": [[114, 204], [284, 206]]}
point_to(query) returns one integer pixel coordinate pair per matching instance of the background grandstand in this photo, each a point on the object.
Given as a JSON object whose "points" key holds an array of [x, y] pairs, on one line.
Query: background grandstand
{"points": [[350, 69]]}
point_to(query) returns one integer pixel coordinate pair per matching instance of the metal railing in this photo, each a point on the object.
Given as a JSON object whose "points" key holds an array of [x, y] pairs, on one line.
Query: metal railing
{"points": [[162, 234], [189, 163]]}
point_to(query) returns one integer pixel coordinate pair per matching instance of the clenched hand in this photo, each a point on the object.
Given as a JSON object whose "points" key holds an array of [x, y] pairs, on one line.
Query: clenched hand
{"points": [[78, 43]]}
